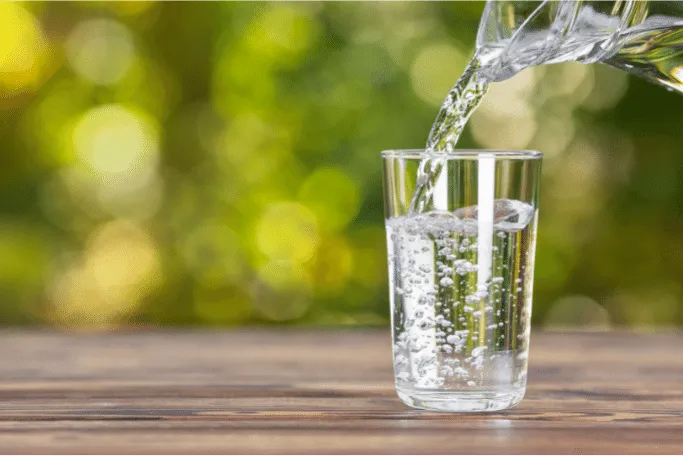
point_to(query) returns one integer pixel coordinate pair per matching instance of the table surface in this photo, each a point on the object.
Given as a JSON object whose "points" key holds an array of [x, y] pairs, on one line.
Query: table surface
{"points": [[317, 391]]}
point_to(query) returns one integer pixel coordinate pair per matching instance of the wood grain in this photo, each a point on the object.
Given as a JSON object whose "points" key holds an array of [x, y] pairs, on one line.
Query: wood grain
{"points": [[292, 391]]}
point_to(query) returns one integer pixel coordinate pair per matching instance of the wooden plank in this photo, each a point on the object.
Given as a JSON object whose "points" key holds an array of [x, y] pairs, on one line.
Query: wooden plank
{"points": [[290, 391]]}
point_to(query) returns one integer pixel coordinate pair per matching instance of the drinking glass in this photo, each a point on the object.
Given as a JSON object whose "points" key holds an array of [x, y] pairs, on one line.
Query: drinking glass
{"points": [[461, 276]]}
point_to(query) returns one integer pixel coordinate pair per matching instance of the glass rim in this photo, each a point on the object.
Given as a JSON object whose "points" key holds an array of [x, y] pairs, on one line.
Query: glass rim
{"points": [[464, 154]]}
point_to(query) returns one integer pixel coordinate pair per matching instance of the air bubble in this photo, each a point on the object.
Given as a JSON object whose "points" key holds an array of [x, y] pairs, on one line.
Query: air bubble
{"points": [[477, 351], [446, 282], [460, 372], [454, 339]]}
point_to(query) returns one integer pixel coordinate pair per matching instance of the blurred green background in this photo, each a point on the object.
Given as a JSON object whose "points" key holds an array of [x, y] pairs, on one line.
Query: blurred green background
{"points": [[218, 164]]}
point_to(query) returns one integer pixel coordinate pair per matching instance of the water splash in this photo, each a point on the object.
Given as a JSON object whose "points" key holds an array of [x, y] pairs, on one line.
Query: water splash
{"points": [[462, 100]]}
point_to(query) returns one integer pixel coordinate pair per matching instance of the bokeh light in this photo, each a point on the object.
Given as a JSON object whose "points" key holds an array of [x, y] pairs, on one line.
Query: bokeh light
{"points": [[435, 70], [584, 173], [506, 118], [282, 33], [22, 49], [113, 140], [332, 196], [119, 267], [288, 231], [118, 152], [100, 51]]}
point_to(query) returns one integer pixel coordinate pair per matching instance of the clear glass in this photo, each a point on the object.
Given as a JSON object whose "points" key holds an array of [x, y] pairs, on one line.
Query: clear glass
{"points": [[461, 277], [638, 36]]}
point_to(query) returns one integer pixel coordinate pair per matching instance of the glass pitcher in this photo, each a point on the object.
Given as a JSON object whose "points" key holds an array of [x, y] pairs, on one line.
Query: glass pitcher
{"points": [[641, 37]]}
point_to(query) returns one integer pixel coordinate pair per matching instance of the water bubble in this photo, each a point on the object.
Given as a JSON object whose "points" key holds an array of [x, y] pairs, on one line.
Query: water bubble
{"points": [[446, 282], [460, 372], [477, 351], [472, 299], [400, 360], [446, 270], [425, 324], [403, 376], [454, 339]]}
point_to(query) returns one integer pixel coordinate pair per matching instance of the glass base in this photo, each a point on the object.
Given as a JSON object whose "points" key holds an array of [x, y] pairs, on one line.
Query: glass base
{"points": [[461, 401]]}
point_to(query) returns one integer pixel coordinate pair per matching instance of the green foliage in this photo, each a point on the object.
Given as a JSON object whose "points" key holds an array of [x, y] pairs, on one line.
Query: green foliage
{"points": [[218, 164]]}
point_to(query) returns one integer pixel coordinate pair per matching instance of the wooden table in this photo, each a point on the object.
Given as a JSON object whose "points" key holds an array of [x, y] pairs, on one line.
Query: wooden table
{"points": [[301, 391]]}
